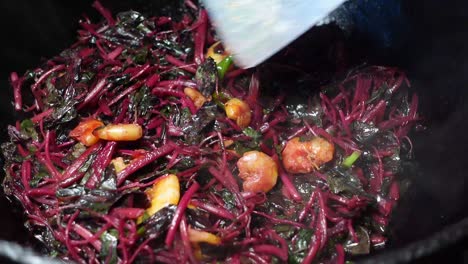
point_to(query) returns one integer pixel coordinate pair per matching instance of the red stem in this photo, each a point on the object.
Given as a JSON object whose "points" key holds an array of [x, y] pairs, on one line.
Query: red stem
{"points": [[147, 159], [100, 164], [200, 37], [98, 87], [183, 229], [72, 174], [104, 12], [16, 83], [179, 213]]}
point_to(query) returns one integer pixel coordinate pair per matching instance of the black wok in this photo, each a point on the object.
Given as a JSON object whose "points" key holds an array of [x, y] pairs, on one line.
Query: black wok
{"points": [[430, 224]]}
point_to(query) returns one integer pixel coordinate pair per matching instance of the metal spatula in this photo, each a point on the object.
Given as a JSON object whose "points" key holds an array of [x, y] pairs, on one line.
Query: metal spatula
{"points": [[254, 30]]}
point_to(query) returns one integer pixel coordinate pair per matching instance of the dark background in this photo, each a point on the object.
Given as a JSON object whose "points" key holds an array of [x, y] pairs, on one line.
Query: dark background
{"points": [[431, 46]]}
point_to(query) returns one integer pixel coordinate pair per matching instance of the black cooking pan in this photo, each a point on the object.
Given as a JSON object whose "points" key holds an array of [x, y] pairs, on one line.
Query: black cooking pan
{"points": [[430, 224]]}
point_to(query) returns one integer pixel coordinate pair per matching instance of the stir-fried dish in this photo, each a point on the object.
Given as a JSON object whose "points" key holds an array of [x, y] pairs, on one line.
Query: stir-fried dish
{"points": [[143, 142]]}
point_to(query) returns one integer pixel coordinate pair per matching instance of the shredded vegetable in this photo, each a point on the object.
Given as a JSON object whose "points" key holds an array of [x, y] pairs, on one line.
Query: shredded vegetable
{"points": [[139, 148]]}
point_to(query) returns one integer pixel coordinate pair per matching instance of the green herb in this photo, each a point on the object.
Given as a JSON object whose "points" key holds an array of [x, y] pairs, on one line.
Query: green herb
{"points": [[27, 128], [250, 132]]}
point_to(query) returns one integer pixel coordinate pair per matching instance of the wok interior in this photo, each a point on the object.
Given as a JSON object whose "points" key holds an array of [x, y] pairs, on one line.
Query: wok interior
{"points": [[433, 50]]}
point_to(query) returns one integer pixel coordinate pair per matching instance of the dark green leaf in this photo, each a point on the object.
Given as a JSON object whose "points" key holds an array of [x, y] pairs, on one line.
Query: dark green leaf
{"points": [[229, 199], [401, 101], [298, 251], [166, 111], [185, 116], [98, 200], [362, 246], [88, 163], [186, 162], [64, 113], [109, 241], [393, 163], [140, 56], [119, 79], [364, 132], [256, 137], [158, 223], [378, 94], [312, 113], [141, 101], [303, 239], [109, 181], [206, 77], [198, 218], [10, 153], [87, 76], [170, 46], [341, 180], [205, 117], [130, 18], [69, 193]]}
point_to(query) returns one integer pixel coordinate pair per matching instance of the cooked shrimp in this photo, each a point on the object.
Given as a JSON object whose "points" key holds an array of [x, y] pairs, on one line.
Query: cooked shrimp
{"points": [[306, 156], [197, 98], [238, 111], [120, 132], [258, 171], [84, 131], [165, 191]]}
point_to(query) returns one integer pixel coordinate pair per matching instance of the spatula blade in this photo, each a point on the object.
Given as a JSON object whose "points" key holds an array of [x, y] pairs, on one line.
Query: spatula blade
{"points": [[254, 30]]}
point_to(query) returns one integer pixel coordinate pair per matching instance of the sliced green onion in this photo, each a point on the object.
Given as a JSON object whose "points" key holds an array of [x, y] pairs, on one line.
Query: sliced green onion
{"points": [[223, 66], [349, 161]]}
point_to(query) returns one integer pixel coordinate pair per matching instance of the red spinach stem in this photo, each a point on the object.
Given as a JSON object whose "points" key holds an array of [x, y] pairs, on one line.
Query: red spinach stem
{"points": [[184, 201]]}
